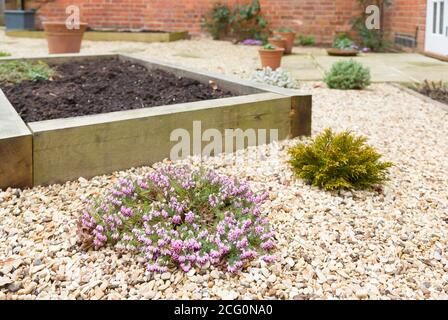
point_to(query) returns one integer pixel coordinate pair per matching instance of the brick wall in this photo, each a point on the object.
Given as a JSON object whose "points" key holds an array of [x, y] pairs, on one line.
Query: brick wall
{"points": [[320, 18], [404, 16]]}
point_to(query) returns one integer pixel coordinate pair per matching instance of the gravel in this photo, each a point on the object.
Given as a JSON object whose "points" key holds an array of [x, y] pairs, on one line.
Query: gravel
{"points": [[216, 56], [346, 245]]}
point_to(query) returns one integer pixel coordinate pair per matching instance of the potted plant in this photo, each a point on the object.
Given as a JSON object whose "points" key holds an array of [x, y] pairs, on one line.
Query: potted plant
{"points": [[278, 41], [20, 19], [343, 46], [289, 35], [271, 56], [61, 38]]}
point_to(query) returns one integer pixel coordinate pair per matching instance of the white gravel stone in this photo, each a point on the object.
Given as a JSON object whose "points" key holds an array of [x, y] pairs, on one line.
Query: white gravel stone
{"points": [[384, 245]]}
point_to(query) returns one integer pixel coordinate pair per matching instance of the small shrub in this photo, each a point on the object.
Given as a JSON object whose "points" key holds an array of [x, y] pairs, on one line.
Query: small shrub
{"points": [[181, 217], [19, 70], [343, 44], [278, 78], [4, 54], [269, 46], [307, 40], [249, 22], [240, 23], [338, 161], [218, 21], [437, 90], [347, 75]]}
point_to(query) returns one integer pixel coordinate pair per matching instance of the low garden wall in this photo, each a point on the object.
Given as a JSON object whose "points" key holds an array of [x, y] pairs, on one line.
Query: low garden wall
{"points": [[55, 151]]}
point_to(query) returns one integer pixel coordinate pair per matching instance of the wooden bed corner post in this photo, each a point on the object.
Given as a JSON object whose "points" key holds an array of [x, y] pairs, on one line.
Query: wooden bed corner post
{"points": [[300, 116]]}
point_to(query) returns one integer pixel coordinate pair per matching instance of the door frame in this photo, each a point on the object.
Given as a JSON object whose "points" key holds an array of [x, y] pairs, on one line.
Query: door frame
{"points": [[436, 42]]}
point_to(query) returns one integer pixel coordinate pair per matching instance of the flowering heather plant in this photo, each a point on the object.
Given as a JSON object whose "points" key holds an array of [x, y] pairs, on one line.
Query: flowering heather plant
{"points": [[184, 217]]}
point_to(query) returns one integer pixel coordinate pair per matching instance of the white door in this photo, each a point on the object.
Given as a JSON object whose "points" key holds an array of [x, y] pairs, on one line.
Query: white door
{"points": [[437, 27]]}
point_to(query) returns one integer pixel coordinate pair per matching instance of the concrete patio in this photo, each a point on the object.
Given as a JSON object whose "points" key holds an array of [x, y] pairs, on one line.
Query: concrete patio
{"points": [[311, 64], [306, 63]]}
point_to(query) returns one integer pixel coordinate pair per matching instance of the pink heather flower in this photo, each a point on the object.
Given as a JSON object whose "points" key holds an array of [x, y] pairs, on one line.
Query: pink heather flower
{"points": [[128, 190], [126, 212], [259, 229], [267, 235], [215, 254], [143, 185], [249, 255], [235, 234], [268, 245], [189, 217], [268, 258], [177, 245], [177, 219], [242, 244]]}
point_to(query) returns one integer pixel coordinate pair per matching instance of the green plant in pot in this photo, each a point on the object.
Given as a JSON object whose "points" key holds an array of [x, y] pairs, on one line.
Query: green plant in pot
{"points": [[343, 46], [64, 36], [271, 56], [289, 35], [278, 41], [20, 19]]}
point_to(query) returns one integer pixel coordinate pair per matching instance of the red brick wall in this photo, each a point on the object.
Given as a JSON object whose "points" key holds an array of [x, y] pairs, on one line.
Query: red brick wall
{"points": [[320, 18], [404, 16]]}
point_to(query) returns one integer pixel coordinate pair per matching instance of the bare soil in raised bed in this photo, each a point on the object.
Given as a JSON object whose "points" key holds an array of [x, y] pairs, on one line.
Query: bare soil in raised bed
{"points": [[101, 86]]}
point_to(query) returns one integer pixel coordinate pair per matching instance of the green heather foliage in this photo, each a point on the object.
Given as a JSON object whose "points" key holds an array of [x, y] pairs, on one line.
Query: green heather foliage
{"points": [[338, 161], [19, 70], [347, 75], [307, 40], [4, 54]]}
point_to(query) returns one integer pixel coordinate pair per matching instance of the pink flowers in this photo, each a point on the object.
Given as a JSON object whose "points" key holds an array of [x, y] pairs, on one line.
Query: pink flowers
{"points": [[177, 219], [176, 215]]}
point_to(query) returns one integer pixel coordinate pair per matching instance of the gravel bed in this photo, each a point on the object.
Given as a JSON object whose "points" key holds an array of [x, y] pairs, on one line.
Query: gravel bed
{"points": [[344, 245], [202, 54]]}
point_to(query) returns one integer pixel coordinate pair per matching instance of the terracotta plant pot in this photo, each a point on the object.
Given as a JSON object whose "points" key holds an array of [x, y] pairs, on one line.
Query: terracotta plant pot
{"points": [[289, 37], [63, 40], [279, 43], [342, 53], [271, 58]]}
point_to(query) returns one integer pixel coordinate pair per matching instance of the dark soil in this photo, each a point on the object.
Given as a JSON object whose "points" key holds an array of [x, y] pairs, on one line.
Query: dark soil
{"points": [[101, 86]]}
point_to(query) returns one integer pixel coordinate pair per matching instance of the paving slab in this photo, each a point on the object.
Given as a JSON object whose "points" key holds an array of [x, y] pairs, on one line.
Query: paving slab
{"points": [[311, 64]]}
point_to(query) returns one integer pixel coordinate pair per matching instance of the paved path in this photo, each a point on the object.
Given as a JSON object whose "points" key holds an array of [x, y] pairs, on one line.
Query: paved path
{"points": [[223, 57], [311, 63]]}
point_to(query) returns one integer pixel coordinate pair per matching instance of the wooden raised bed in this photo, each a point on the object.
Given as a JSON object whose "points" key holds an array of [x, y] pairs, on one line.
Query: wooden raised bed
{"points": [[111, 35], [55, 151]]}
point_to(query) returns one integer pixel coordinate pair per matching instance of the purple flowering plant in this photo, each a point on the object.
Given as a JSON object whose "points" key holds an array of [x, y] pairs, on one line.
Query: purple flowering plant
{"points": [[178, 216], [252, 42]]}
